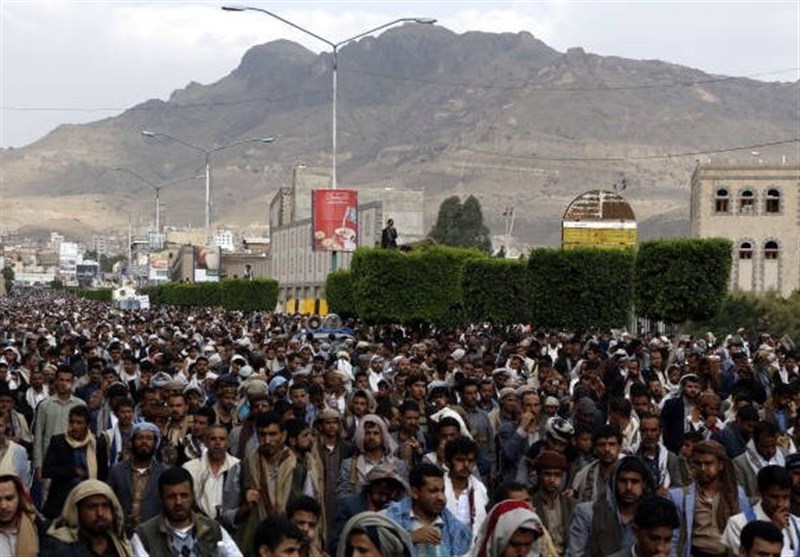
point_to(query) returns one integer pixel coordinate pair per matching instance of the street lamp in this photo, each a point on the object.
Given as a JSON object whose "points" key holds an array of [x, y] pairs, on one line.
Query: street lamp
{"points": [[157, 189], [335, 51], [207, 152]]}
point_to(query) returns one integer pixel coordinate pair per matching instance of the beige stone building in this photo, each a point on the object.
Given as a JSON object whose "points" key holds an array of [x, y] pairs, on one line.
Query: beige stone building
{"points": [[757, 207]]}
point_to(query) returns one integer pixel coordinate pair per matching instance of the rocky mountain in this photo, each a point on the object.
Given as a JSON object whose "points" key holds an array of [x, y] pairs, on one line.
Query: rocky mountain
{"points": [[501, 116]]}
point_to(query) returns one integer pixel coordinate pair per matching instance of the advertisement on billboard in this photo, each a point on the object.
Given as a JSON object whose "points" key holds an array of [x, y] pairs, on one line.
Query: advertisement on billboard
{"points": [[158, 270], [206, 264], [334, 220]]}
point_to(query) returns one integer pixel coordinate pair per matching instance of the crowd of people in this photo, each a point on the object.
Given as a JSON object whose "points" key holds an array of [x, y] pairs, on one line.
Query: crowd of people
{"points": [[174, 432]]}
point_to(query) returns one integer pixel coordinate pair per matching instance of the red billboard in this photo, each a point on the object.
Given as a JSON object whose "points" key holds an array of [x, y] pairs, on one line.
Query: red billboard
{"points": [[334, 221]]}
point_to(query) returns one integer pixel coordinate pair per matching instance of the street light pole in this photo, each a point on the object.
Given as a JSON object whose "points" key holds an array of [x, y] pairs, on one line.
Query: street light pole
{"points": [[156, 188], [335, 53], [207, 152]]}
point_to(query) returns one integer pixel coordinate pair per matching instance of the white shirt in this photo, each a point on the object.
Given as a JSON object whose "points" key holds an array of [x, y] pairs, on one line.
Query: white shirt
{"points": [[460, 506], [733, 530], [208, 487], [226, 547]]}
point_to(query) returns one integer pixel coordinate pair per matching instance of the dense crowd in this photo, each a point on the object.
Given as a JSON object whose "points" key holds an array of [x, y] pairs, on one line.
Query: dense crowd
{"points": [[199, 432]]}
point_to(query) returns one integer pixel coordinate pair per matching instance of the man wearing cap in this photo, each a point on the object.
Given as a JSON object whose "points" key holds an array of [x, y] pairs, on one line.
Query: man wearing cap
{"points": [[383, 486], [332, 450], [676, 410], [554, 508], [516, 437], [135, 480]]}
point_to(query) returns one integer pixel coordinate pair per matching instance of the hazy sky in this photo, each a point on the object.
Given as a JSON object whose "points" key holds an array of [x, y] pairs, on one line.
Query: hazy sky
{"points": [[72, 62]]}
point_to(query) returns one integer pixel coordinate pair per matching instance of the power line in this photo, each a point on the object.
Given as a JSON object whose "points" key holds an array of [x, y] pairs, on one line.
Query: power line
{"points": [[325, 92], [635, 158], [596, 89]]}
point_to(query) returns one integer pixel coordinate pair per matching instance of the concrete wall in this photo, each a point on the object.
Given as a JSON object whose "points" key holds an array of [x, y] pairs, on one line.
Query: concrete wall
{"points": [[755, 223]]}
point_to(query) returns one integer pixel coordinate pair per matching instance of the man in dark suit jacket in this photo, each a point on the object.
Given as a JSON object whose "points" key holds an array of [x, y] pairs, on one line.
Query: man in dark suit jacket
{"points": [[383, 486], [135, 481], [676, 410], [655, 520], [72, 457], [552, 506]]}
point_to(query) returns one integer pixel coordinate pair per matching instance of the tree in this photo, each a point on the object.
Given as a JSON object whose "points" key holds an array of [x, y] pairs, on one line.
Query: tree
{"points": [[461, 225], [8, 278]]}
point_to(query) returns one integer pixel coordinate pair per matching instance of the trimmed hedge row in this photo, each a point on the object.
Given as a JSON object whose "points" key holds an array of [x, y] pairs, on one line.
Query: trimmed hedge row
{"points": [[97, 294], [580, 288], [678, 280], [232, 294], [493, 289], [583, 288], [339, 293], [422, 286]]}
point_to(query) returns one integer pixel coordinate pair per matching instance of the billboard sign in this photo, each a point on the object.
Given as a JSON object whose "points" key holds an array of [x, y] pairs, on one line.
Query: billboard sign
{"points": [[206, 263], [334, 220]]}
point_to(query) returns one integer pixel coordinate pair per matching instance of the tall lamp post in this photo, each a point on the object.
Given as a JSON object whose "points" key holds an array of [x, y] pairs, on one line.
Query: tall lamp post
{"points": [[207, 152], [157, 189], [335, 51]]}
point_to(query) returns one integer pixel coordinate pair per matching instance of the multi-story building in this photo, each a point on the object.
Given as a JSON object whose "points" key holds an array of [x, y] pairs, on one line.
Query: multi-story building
{"points": [[301, 271], [757, 207]]}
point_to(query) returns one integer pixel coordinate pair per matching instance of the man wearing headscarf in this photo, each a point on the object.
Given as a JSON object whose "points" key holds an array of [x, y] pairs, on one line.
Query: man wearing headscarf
{"points": [[135, 480], [374, 446], [371, 531], [91, 523], [510, 528], [605, 526], [71, 458], [18, 519], [706, 505]]}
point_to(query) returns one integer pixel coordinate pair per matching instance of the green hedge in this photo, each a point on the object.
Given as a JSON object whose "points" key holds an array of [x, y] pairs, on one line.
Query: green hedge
{"points": [[339, 293], [421, 286], [682, 279], [233, 294], [495, 290], [97, 294], [764, 313], [580, 288]]}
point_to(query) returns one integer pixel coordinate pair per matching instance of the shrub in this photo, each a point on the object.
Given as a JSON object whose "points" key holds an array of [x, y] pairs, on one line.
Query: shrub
{"points": [[339, 293], [495, 290], [682, 279], [582, 288]]}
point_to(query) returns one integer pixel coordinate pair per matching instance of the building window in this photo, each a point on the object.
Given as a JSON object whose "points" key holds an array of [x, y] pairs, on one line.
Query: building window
{"points": [[747, 203], [722, 202], [746, 250], [773, 204], [771, 250]]}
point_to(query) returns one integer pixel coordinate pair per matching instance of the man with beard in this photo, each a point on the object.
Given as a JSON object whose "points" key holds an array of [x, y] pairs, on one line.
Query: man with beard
{"points": [[307, 476], [242, 438], [135, 481], [383, 486], [591, 481], [774, 490], [707, 504], [215, 477], [664, 465], [179, 530], [91, 523], [762, 450], [18, 529], [655, 522], [676, 410], [375, 446], [434, 530], [605, 526], [266, 478], [332, 449]]}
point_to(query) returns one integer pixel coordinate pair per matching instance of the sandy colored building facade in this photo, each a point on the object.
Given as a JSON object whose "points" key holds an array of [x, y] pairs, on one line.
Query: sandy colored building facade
{"points": [[757, 207]]}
